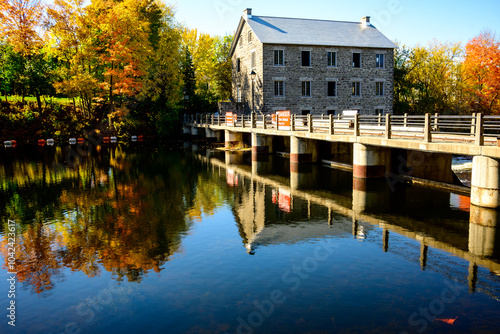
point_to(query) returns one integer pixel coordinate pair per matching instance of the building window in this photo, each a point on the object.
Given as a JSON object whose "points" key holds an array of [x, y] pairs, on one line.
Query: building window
{"points": [[306, 112], [253, 60], [331, 112], [306, 58], [279, 58], [332, 88], [379, 112], [279, 88], [249, 37], [379, 61], [379, 88], [356, 59], [306, 88], [332, 59], [238, 94], [356, 88], [238, 65]]}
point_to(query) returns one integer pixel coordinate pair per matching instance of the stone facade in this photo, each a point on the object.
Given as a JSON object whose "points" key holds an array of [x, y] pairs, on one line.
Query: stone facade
{"points": [[292, 73], [241, 78]]}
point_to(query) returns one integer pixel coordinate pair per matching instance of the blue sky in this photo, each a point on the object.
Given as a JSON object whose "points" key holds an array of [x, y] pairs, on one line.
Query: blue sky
{"points": [[410, 22]]}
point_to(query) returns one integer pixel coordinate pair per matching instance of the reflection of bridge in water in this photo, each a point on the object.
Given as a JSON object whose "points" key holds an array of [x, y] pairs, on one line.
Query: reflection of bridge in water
{"points": [[418, 213]]}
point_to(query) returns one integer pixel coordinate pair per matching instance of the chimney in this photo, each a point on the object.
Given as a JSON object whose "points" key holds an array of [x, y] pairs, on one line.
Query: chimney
{"points": [[247, 13], [365, 22]]}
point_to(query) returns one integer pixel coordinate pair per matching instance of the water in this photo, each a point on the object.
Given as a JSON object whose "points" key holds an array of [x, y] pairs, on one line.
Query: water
{"points": [[137, 239]]}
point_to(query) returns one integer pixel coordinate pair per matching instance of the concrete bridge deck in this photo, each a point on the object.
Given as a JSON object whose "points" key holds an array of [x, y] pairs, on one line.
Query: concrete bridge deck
{"points": [[380, 145]]}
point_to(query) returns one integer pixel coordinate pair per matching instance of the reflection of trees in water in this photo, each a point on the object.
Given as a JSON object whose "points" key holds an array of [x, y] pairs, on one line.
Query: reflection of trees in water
{"points": [[118, 211]]}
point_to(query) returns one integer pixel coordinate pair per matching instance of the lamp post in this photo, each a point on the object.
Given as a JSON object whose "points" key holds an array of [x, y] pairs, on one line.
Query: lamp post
{"points": [[253, 75]]}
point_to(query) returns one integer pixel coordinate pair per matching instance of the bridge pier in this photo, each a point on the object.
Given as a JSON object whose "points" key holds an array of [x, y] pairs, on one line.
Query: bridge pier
{"points": [[233, 139], [303, 150], [483, 230], [303, 177], [485, 183], [261, 144], [234, 158], [370, 161], [194, 131], [261, 164], [186, 130], [369, 196]]}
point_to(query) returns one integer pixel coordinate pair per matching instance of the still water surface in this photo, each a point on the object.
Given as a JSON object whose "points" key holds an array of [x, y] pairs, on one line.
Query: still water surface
{"points": [[143, 240]]}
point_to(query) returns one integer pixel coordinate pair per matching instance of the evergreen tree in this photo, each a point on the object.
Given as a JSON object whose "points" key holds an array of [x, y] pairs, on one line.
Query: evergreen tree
{"points": [[189, 82]]}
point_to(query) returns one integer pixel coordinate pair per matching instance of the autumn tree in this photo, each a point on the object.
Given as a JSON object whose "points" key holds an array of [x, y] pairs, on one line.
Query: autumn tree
{"points": [[428, 79], [71, 43], [19, 20], [121, 42], [482, 72]]}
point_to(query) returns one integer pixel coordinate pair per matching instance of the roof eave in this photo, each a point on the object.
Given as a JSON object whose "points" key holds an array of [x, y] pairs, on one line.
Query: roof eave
{"points": [[236, 36]]}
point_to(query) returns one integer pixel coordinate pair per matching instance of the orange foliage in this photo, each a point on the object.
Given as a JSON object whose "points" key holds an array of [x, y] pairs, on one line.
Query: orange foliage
{"points": [[19, 21], [482, 72], [123, 46]]}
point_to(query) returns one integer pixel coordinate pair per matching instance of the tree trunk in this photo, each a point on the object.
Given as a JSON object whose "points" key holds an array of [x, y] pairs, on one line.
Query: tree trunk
{"points": [[111, 105], [74, 105], [38, 100]]}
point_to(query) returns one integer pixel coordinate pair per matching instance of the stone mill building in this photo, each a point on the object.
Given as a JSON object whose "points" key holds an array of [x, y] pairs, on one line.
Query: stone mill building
{"points": [[311, 66]]}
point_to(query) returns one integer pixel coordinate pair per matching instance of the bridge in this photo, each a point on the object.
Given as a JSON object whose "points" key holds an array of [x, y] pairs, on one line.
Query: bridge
{"points": [[377, 146]]}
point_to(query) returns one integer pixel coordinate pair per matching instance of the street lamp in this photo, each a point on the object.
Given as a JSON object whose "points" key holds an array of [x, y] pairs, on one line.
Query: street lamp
{"points": [[253, 75]]}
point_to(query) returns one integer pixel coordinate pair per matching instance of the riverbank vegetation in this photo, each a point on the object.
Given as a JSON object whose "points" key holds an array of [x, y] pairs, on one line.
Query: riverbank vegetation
{"points": [[448, 78], [128, 66], [119, 66]]}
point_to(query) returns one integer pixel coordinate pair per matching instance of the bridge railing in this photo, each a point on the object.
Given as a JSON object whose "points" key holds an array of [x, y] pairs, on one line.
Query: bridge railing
{"points": [[475, 128]]}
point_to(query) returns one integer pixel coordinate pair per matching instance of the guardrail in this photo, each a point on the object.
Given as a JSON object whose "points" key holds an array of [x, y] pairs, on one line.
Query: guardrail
{"points": [[476, 128]]}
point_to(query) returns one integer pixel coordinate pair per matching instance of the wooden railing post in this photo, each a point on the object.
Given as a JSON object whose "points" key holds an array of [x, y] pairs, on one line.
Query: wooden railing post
{"points": [[330, 124], [252, 120], [479, 130], [310, 123], [473, 124], [405, 120], [264, 125], [242, 121], [356, 125], [292, 122], [427, 128], [218, 119], [436, 122], [388, 126], [379, 119], [212, 119]]}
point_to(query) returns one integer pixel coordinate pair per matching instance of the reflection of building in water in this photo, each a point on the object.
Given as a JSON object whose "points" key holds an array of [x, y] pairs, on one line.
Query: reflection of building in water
{"points": [[414, 222], [250, 212]]}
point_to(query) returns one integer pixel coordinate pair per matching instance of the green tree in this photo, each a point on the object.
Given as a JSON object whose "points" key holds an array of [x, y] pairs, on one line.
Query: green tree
{"points": [[222, 77], [161, 90], [189, 82]]}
